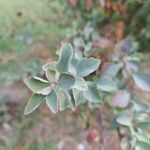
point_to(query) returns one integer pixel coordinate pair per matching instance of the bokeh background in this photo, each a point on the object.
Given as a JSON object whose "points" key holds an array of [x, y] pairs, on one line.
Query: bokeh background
{"points": [[31, 31]]}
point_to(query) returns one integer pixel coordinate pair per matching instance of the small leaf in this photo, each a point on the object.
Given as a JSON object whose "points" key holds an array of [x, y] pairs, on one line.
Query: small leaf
{"points": [[51, 101], [92, 94], [49, 65], [142, 81], [140, 107], [95, 36], [144, 125], [106, 84], [127, 45], [70, 99], [132, 66], [88, 46], [80, 84], [63, 102], [121, 99], [78, 97], [50, 75], [34, 101], [142, 138], [66, 54], [87, 66], [142, 146], [111, 69], [78, 42], [66, 81], [73, 66], [36, 84], [124, 119]]}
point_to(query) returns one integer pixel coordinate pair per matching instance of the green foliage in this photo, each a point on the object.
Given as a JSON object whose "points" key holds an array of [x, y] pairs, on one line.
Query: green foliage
{"points": [[64, 88], [67, 85], [66, 81], [70, 83], [52, 102], [142, 81], [106, 84], [66, 54], [34, 101], [86, 66]]}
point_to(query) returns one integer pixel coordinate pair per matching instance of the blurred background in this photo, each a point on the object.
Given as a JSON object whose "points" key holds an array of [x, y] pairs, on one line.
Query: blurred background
{"points": [[31, 31]]}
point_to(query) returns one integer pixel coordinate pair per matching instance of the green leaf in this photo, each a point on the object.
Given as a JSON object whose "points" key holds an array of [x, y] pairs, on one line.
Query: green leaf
{"points": [[34, 101], [78, 97], [111, 69], [66, 81], [142, 138], [132, 66], [144, 125], [70, 99], [124, 120], [52, 102], [66, 54], [36, 85], [140, 107], [50, 75], [92, 94], [50, 66], [73, 66], [80, 84], [63, 102], [87, 66], [78, 42], [142, 81], [142, 146], [106, 84]]}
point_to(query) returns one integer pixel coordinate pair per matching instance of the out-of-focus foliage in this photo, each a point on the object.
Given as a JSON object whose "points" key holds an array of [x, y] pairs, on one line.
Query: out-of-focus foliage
{"points": [[29, 33], [114, 31]]}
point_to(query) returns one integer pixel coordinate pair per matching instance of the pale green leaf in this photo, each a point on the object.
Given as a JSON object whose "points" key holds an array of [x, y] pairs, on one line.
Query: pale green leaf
{"points": [[66, 54], [36, 84], [92, 94], [106, 84], [73, 66], [78, 42], [50, 75], [78, 97], [34, 101], [144, 125], [132, 66], [87, 66], [124, 120], [49, 65], [142, 81], [80, 84], [142, 138], [63, 102], [142, 146], [52, 102], [111, 69], [66, 81]]}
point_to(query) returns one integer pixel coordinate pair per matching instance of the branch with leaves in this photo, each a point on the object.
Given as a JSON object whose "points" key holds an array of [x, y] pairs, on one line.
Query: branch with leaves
{"points": [[67, 86]]}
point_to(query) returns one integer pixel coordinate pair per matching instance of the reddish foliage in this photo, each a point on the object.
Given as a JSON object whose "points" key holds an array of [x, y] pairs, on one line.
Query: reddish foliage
{"points": [[73, 2]]}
